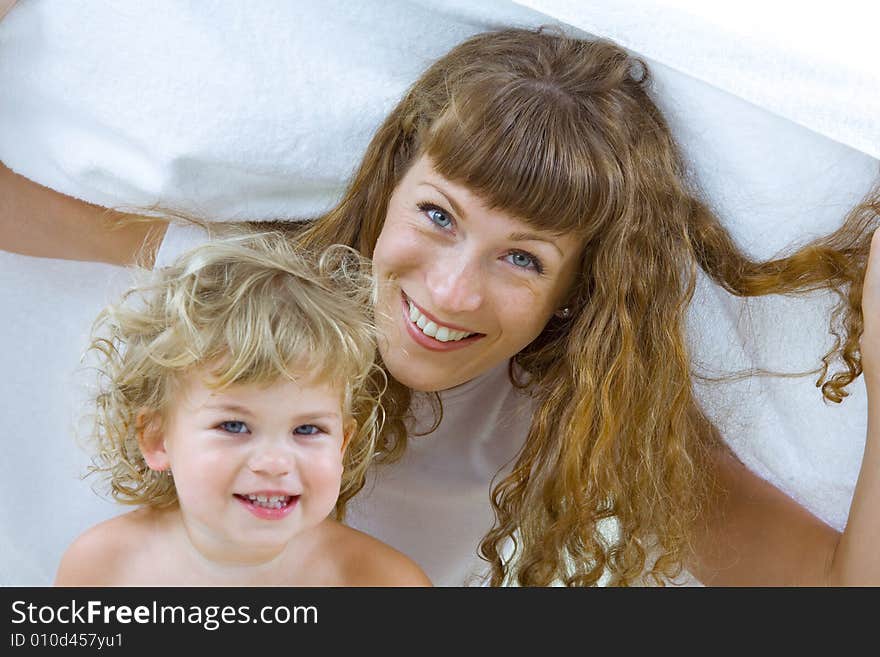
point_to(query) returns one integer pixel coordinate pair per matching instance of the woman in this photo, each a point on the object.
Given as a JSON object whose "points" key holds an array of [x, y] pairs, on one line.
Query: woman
{"points": [[526, 199]]}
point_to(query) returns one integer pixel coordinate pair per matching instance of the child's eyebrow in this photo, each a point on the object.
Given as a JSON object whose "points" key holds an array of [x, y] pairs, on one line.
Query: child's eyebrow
{"points": [[234, 408], [302, 417], [318, 416]]}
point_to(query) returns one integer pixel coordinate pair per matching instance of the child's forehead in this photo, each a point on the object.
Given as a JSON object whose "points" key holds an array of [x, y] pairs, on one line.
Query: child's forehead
{"points": [[199, 388]]}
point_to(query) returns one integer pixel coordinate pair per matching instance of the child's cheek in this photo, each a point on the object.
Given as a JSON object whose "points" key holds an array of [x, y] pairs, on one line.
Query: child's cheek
{"points": [[330, 469], [199, 472]]}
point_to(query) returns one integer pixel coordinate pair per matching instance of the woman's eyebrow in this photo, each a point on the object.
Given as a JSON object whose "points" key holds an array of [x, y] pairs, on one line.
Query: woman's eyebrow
{"points": [[524, 237], [455, 206], [513, 237]]}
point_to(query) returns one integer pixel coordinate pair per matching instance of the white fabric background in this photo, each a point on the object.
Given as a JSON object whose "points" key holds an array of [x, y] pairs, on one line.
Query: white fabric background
{"points": [[226, 110]]}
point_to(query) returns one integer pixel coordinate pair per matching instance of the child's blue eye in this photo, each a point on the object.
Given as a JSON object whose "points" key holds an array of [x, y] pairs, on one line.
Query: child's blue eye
{"points": [[307, 430], [234, 426], [436, 215]]}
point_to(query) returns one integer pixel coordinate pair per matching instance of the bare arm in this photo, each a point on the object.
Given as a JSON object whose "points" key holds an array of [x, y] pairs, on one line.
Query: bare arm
{"points": [[755, 535], [5, 6], [38, 221], [857, 558]]}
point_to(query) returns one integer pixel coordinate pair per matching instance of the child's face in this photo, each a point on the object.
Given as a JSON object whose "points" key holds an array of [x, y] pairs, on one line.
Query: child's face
{"points": [[253, 465]]}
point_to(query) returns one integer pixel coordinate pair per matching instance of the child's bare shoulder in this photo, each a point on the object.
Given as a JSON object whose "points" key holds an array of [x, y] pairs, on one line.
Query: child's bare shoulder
{"points": [[98, 555], [367, 561]]}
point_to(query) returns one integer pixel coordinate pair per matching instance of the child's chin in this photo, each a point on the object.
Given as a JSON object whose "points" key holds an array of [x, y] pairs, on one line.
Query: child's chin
{"points": [[264, 545]]}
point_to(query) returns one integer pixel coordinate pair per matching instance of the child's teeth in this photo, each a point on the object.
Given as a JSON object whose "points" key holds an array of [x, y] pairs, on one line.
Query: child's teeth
{"points": [[270, 501]]}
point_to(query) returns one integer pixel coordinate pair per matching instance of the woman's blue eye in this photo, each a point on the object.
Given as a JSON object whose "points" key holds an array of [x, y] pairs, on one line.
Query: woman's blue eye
{"points": [[234, 426], [524, 261], [307, 430], [439, 218], [436, 215]]}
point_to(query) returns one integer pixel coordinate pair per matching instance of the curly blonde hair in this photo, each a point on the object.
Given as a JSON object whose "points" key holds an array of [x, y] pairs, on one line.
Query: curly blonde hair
{"points": [[252, 309]]}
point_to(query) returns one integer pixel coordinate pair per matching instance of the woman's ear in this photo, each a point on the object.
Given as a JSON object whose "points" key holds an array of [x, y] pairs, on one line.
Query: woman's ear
{"points": [[151, 440], [347, 432]]}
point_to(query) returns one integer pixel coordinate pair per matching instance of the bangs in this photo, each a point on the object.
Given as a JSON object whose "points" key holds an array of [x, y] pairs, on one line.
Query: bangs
{"points": [[528, 149]]}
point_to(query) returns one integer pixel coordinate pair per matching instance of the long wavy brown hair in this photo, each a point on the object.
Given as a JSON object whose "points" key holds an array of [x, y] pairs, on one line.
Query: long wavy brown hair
{"points": [[562, 133]]}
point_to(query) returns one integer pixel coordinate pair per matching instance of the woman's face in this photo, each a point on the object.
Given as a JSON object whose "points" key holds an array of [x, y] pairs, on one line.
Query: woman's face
{"points": [[462, 287]]}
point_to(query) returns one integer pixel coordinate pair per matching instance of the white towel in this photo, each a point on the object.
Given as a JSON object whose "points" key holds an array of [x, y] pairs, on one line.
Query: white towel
{"points": [[813, 63], [227, 109]]}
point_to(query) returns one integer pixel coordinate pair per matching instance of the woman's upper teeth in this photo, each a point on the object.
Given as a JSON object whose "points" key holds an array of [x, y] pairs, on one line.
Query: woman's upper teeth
{"points": [[432, 329]]}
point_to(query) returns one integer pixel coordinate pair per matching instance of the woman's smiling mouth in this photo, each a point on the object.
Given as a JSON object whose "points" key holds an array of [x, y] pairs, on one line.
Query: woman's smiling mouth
{"points": [[428, 332]]}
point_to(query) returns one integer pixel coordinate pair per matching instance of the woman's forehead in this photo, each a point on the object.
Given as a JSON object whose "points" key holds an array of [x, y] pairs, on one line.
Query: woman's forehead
{"points": [[465, 201]]}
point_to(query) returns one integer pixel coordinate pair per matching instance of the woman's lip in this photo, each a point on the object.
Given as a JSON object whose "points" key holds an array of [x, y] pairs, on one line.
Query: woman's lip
{"points": [[432, 318], [428, 342]]}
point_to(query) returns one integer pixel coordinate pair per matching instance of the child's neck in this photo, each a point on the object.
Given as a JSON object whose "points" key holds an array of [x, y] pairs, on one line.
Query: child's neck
{"points": [[234, 564]]}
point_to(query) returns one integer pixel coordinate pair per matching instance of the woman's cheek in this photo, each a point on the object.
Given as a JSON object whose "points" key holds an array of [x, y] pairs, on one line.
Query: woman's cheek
{"points": [[524, 304], [401, 247]]}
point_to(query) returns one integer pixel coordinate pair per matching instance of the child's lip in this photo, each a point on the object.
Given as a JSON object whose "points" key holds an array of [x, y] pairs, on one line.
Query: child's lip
{"points": [[269, 512]]}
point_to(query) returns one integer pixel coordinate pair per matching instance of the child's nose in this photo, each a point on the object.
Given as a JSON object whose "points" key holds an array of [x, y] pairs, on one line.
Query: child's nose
{"points": [[272, 460]]}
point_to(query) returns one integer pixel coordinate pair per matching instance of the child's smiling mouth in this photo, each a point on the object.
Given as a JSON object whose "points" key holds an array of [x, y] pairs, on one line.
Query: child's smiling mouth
{"points": [[268, 506]]}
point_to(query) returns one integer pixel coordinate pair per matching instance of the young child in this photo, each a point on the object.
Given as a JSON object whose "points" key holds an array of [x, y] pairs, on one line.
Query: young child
{"points": [[238, 406]]}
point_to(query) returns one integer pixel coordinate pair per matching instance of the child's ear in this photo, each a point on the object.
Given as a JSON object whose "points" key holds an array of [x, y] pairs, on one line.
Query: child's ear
{"points": [[348, 431], [151, 440]]}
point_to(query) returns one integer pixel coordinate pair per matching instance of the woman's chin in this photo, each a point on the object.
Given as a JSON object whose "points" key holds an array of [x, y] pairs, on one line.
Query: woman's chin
{"points": [[419, 383], [422, 379]]}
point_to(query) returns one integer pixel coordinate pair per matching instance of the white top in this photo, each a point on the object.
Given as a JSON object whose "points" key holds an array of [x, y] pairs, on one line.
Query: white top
{"points": [[433, 504]]}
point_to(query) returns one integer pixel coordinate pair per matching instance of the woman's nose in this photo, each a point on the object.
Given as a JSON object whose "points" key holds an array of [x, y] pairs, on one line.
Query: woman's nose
{"points": [[455, 283]]}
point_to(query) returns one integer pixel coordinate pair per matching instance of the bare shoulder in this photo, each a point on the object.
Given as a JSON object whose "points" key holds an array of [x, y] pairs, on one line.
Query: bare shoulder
{"points": [[100, 555], [367, 561], [753, 534]]}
